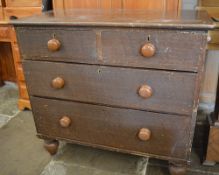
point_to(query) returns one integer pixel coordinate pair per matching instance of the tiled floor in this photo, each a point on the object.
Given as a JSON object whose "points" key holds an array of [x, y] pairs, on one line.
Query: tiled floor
{"points": [[22, 153]]}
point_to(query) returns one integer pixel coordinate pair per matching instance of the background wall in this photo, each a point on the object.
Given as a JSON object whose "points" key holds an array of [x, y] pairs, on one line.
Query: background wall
{"points": [[208, 93], [189, 4]]}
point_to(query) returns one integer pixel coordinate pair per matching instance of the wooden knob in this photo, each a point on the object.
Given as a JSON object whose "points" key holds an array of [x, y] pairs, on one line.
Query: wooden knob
{"points": [[54, 45], [65, 122], [58, 83], [148, 50], [145, 91], [144, 134]]}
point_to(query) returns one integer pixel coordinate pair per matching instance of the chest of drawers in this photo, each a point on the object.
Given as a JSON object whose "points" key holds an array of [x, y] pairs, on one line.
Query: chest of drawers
{"points": [[121, 80]]}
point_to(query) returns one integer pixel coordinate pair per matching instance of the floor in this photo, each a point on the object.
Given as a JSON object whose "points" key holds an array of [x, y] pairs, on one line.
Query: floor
{"points": [[22, 153]]}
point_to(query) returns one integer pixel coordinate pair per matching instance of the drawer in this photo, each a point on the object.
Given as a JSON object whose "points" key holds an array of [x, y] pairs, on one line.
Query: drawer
{"points": [[21, 11], [5, 33], [23, 3], [173, 50], [161, 91], [113, 127], [75, 45]]}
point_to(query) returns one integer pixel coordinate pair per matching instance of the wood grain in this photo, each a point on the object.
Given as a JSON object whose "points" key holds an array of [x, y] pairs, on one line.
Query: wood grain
{"points": [[214, 34], [21, 11], [212, 11], [20, 73], [23, 3], [23, 102], [110, 4], [188, 19], [5, 33], [113, 86], [7, 63], [1, 14], [144, 4], [209, 3], [113, 127], [171, 6], [213, 142]]}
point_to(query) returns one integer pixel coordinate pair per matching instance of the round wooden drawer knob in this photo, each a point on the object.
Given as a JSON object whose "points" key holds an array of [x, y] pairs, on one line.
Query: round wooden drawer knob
{"points": [[65, 122], [144, 134], [58, 83], [148, 50], [145, 91], [54, 45]]}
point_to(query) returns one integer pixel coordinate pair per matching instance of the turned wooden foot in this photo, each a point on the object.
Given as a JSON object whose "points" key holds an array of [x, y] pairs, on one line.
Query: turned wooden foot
{"points": [[177, 169], [51, 146]]}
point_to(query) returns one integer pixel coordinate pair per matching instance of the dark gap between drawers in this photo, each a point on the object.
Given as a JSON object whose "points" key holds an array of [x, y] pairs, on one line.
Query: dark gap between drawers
{"points": [[104, 65], [111, 106]]}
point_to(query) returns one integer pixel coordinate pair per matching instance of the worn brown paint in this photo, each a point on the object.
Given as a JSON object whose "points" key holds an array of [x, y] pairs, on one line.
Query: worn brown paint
{"points": [[113, 127], [103, 69], [116, 47], [113, 86]]}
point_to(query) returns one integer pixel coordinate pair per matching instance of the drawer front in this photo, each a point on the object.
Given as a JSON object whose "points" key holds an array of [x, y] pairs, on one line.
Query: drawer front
{"points": [[5, 33], [20, 12], [113, 127], [170, 91], [75, 45], [173, 50]]}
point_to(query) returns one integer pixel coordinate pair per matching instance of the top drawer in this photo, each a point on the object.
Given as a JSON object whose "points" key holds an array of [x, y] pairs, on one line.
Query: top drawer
{"points": [[173, 50]]}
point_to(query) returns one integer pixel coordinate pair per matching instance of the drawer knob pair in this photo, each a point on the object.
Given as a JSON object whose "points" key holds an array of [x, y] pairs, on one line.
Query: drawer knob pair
{"points": [[65, 122], [53, 45], [144, 134], [58, 83], [145, 91], [148, 50]]}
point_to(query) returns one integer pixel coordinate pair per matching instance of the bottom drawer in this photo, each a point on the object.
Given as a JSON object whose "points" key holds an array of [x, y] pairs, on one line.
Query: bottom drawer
{"points": [[114, 128]]}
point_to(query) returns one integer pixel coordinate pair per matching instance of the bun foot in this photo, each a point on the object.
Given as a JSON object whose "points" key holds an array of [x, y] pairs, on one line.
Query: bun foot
{"points": [[177, 169], [51, 146]]}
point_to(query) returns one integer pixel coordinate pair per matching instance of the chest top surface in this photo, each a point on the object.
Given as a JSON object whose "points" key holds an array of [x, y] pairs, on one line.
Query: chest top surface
{"points": [[121, 18]]}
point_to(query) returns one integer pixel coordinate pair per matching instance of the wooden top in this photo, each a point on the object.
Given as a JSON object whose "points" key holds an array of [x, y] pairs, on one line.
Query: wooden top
{"points": [[121, 18]]}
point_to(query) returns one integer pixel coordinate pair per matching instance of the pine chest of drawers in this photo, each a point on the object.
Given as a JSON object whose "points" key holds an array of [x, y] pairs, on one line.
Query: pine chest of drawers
{"points": [[121, 80]]}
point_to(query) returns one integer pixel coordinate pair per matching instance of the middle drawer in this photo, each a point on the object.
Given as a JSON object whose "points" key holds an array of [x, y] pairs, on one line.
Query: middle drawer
{"points": [[161, 91]]}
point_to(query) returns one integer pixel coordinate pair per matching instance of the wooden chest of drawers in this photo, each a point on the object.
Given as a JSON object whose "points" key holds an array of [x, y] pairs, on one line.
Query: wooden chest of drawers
{"points": [[121, 80]]}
